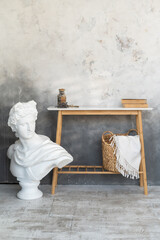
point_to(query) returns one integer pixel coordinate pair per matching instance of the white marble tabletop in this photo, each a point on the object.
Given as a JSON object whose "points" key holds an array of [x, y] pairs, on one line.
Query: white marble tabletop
{"points": [[52, 108]]}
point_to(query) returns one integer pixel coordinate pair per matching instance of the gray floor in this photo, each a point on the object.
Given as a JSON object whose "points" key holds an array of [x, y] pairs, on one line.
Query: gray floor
{"points": [[81, 212]]}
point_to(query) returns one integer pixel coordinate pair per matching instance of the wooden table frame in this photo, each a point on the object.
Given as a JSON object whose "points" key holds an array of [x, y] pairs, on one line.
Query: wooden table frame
{"points": [[99, 169]]}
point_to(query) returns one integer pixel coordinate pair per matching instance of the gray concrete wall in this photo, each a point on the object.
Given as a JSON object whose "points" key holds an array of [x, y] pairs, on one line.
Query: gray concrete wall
{"points": [[100, 51]]}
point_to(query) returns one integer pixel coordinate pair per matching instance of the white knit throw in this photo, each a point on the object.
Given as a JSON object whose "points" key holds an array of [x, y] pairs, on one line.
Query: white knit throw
{"points": [[128, 154]]}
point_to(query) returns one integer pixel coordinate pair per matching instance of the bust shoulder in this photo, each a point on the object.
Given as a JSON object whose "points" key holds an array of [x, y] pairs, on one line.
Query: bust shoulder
{"points": [[10, 151], [43, 137]]}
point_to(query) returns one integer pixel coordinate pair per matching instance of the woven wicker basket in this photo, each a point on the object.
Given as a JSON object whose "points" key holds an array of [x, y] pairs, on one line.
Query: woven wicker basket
{"points": [[109, 158]]}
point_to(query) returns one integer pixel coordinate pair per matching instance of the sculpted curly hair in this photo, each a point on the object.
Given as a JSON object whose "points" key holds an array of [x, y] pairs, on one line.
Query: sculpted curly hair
{"points": [[20, 110]]}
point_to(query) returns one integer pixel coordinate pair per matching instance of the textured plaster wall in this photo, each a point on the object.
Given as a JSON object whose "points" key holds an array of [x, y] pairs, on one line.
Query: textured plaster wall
{"points": [[100, 51]]}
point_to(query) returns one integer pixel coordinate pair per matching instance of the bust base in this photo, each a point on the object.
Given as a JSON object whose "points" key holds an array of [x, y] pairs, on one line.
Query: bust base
{"points": [[29, 189]]}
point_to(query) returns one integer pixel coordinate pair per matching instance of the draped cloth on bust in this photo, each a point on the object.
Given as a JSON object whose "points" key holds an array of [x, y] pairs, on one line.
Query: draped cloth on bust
{"points": [[40, 160]]}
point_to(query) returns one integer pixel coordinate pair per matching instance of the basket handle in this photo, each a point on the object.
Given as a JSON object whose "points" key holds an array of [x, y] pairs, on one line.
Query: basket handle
{"points": [[105, 133], [132, 130]]}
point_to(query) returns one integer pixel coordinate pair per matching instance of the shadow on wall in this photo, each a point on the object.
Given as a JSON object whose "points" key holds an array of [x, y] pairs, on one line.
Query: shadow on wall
{"points": [[13, 89]]}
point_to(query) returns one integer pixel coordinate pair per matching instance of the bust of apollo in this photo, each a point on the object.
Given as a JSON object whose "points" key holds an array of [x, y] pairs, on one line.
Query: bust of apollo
{"points": [[32, 156]]}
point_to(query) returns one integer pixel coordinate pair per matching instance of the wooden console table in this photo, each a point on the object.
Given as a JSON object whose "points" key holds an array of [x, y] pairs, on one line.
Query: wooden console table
{"points": [[99, 169]]}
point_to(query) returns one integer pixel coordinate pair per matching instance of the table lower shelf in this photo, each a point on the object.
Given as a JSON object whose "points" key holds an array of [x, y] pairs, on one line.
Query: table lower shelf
{"points": [[86, 170]]}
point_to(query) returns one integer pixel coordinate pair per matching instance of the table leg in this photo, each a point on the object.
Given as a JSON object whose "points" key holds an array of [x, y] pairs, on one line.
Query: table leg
{"points": [[140, 168], [58, 141], [143, 164]]}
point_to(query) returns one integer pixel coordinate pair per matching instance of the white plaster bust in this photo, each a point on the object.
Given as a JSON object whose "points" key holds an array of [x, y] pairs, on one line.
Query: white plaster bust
{"points": [[33, 156]]}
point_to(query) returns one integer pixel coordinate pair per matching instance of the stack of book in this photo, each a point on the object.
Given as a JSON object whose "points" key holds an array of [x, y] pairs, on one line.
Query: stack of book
{"points": [[134, 103]]}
